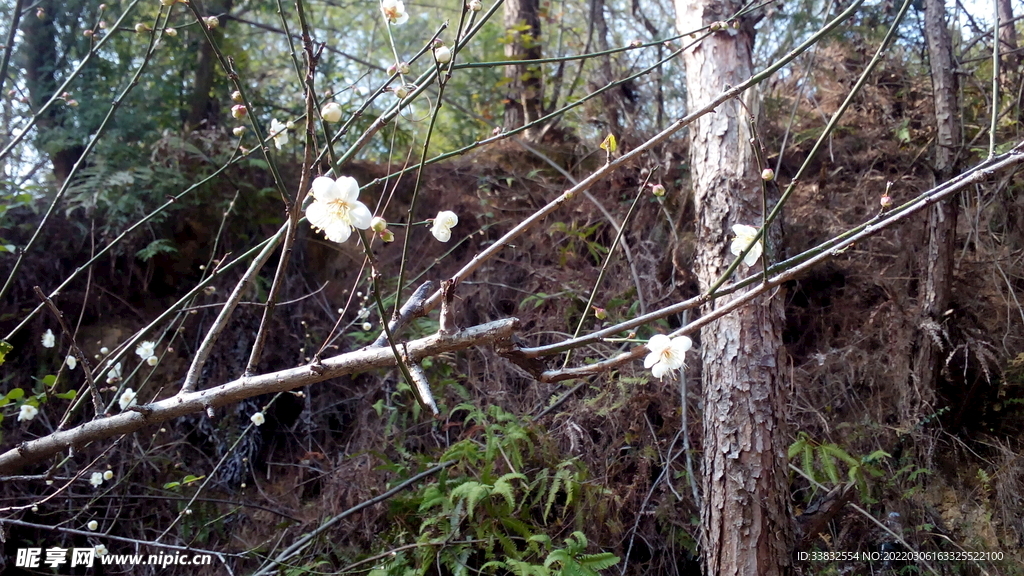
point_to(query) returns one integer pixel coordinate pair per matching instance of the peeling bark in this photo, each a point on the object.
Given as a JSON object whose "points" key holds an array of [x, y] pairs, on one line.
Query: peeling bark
{"points": [[747, 523]]}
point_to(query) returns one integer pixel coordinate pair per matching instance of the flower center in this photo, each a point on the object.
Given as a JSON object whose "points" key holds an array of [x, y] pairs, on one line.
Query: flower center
{"points": [[339, 210]]}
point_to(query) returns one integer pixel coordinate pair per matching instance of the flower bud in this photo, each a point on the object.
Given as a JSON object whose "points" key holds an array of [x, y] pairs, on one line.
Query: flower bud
{"points": [[331, 112], [392, 70], [40, 13], [443, 54], [403, 67], [88, 33], [72, 103], [239, 111], [167, 2], [236, 96], [92, 525], [378, 224], [600, 313], [172, 32], [387, 235], [401, 92], [289, 125], [141, 27], [367, 326], [886, 200], [152, 360], [238, 130], [636, 44], [211, 22], [658, 190], [474, 5], [102, 24], [102, 7], [768, 175]]}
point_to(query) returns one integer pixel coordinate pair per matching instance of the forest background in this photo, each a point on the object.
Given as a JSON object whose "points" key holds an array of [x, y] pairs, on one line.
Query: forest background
{"points": [[506, 423]]}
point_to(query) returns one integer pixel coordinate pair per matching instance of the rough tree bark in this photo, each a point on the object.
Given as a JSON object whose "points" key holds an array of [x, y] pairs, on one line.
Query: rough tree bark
{"points": [[938, 264], [747, 525], [524, 100]]}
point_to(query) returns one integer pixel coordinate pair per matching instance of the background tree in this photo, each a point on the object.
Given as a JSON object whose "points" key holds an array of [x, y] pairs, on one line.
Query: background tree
{"points": [[745, 514], [523, 415]]}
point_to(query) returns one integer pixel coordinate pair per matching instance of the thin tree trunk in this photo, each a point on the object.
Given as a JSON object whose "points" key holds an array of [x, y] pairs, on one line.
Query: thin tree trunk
{"points": [[39, 57], [747, 525], [1007, 44], [524, 100], [202, 102], [938, 263]]}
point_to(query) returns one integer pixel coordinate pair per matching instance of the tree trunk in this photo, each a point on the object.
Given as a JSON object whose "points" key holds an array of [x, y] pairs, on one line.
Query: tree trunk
{"points": [[1007, 44], [39, 58], [746, 517], [524, 101], [203, 110], [938, 264]]}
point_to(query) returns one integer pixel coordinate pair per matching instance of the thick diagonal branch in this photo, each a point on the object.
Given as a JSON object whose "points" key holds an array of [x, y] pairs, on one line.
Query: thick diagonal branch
{"points": [[247, 387]]}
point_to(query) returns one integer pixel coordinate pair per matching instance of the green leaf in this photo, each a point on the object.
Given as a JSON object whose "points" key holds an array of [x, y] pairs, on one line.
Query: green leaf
{"points": [[828, 463], [5, 349], [599, 561], [69, 395], [171, 485], [49, 380], [15, 394], [155, 247]]}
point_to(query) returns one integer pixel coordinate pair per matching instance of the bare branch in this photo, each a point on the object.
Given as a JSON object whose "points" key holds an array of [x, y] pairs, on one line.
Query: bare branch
{"points": [[247, 387]]}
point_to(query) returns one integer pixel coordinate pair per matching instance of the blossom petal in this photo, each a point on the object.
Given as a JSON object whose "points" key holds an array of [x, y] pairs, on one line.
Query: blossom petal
{"points": [[442, 233], [659, 343], [322, 188], [754, 255], [360, 215], [337, 231], [651, 359], [347, 188], [659, 370], [744, 231], [681, 344], [317, 215]]}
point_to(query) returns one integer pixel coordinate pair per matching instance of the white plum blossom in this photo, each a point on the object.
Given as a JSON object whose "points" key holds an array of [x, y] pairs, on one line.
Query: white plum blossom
{"points": [[71, 361], [108, 475], [331, 112], [114, 374], [152, 360], [27, 412], [49, 341], [336, 208], [443, 224], [258, 419], [666, 354], [279, 132], [745, 237], [394, 11], [96, 479], [93, 525], [146, 350], [101, 550], [127, 399]]}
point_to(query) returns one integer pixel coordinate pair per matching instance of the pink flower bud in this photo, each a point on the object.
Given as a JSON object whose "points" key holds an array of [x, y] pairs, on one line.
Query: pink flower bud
{"points": [[239, 111]]}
